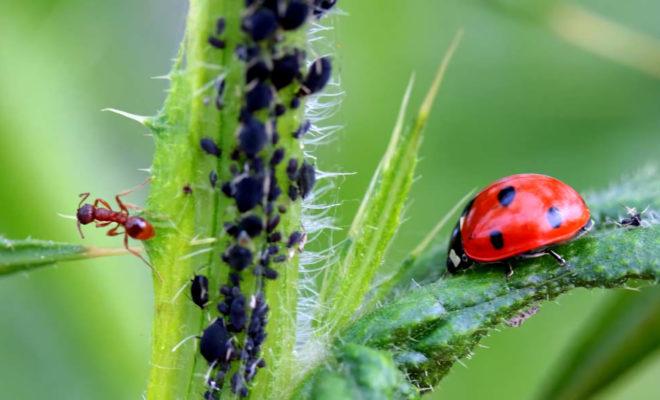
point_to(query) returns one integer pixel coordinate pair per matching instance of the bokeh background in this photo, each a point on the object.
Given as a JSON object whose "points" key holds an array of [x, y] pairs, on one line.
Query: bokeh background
{"points": [[517, 98]]}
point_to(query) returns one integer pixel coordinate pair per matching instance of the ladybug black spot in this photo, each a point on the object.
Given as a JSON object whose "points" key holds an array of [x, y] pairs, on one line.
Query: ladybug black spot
{"points": [[496, 239], [506, 196], [554, 217]]}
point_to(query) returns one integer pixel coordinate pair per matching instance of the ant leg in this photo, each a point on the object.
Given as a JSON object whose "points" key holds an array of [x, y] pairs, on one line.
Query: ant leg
{"points": [[103, 224], [113, 231], [557, 257], [103, 203], [121, 204], [137, 254]]}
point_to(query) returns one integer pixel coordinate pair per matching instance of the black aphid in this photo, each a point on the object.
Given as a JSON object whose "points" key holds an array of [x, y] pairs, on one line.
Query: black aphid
{"points": [[237, 385], [237, 257], [323, 6], [302, 129], [274, 237], [281, 208], [293, 192], [199, 290], [260, 96], [306, 179], [272, 223], [278, 156], [252, 225], [257, 71], [217, 42], [295, 103], [213, 178], [279, 259], [209, 146], [295, 15], [215, 343], [285, 70], [294, 239], [292, 169], [237, 316], [252, 137], [227, 189], [248, 192], [187, 189], [270, 273], [246, 53], [219, 102], [260, 24], [317, 76], [279, 110], [220, 24]]}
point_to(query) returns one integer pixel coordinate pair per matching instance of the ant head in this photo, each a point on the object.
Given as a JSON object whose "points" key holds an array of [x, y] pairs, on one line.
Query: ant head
{"points": [[139, 228], [85, 214]]}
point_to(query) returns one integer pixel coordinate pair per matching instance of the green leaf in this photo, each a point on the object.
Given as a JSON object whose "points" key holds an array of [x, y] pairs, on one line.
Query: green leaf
{"points": [[26, 255], [623, 335], [379, 216], [431, 328], [358, 372]]}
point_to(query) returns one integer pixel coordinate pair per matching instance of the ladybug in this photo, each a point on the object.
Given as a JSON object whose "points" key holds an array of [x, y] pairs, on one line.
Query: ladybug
{"points": [[519, 216]]}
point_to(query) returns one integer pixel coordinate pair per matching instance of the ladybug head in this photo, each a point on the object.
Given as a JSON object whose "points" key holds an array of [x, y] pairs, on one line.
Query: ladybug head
{"points": [[456, 258]]}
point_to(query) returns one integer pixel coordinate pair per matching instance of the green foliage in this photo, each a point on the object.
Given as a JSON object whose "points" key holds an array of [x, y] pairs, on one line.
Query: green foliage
{"points": [[346, 284], [624, 334], [26, 255]]}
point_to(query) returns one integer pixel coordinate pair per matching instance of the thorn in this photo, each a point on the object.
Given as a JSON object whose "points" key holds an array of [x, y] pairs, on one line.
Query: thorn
{"points": [[140, 119]]}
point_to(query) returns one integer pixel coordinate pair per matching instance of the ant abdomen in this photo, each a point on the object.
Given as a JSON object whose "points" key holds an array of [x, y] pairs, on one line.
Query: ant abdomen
{"points": [[139, 228]]}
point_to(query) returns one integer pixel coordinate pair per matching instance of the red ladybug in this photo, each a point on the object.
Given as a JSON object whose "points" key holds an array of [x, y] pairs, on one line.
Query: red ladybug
{"points": [[517, 216]]}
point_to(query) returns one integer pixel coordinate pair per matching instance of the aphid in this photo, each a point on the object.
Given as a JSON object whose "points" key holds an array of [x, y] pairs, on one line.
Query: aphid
{"points": [[217, 42], [519, 216], [306, 179], [270, 273], [294, 239], [274, 237], [135, 227], [272, 223], [257, 71], [278, 156], [209, 146], [246, 53], [237, 257], [219, 102], [260, 24], [293, 193], [187, 189], [227, 189], [634, 218], [199, 290], [220, 25], [323, 6], [215, 344], [519, 319], [292, 169], [295, 15], [237, 317], [303, 129], [295, 103], [252, 225], [252, 136], [317, 77], [286, 69], [260, 96], [213, 178], [248, 191], [279, 110]]}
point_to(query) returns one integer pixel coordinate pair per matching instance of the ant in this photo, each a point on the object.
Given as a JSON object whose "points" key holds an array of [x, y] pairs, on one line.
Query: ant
{"points": [[135, 227]]}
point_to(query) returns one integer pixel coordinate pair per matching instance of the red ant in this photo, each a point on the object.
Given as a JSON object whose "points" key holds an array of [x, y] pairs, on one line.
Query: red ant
{"points": [[135, 227]]}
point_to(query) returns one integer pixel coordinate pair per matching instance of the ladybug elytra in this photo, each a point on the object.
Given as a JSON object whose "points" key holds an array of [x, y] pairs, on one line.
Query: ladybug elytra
{"points": [[518, 216]]}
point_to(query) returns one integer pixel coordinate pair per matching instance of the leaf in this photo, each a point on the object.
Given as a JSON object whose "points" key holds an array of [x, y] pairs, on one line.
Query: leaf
{"points": [[28, 254], [379, 216], [359, 372], [622, 336], [429, 329]]}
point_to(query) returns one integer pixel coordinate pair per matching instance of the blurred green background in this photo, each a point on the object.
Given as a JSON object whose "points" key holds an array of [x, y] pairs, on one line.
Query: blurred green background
{"points": [[516, 99]]}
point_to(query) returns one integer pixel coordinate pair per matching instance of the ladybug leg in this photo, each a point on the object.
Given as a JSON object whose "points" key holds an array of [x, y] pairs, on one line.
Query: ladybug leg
{"points": [[509, 270], [557, 257]]}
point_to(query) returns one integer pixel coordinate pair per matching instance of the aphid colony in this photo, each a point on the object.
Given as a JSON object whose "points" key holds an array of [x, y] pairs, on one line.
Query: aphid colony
{"points": [[276, 80]]}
